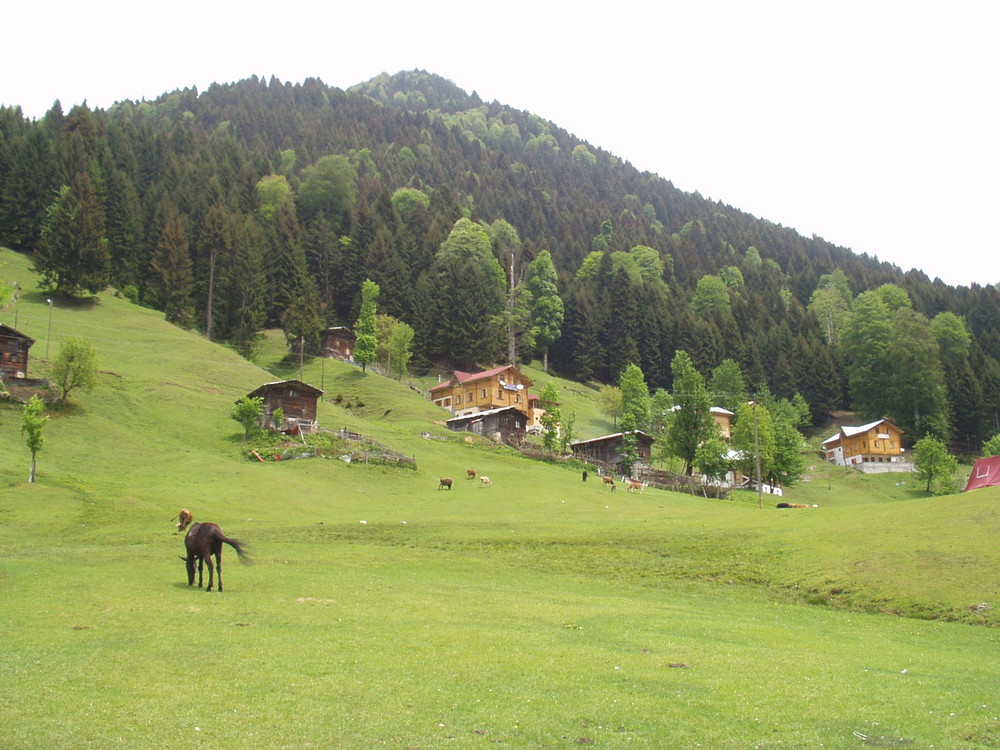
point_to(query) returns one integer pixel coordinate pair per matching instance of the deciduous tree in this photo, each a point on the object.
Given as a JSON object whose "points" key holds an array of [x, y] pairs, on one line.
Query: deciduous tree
{"points": [[366, 328], [32, 422], [74, 366]]}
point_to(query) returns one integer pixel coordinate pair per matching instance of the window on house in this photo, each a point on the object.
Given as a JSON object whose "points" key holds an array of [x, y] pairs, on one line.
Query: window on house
{"points": [[499, 394], [484, 393], [458, 400], [892, 443], [876, 443]]}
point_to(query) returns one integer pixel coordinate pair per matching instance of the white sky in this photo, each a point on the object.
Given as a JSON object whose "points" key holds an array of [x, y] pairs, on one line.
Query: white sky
{"points": [[871, 124]]}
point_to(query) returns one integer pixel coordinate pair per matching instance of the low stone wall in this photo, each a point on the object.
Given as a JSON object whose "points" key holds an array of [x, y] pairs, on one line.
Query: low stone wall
{"points": [[894, 467]]}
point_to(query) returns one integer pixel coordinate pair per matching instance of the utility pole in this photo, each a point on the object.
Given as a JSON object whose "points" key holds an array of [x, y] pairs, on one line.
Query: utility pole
{"points": [[756, 450], [302, 346]]}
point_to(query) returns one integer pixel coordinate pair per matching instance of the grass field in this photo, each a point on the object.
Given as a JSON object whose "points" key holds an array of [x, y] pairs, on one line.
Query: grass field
{"points": [[380, 611]]}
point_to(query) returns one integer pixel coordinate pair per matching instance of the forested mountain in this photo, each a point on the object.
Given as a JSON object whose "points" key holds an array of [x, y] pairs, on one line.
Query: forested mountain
{"points": [[489, 231]]}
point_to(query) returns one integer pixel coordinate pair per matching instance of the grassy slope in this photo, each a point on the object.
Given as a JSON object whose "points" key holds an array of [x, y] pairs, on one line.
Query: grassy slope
{"points": [[541, 613]]}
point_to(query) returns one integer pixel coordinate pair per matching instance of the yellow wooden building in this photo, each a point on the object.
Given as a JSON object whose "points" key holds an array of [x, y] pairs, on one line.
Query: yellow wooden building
{"points": [[470, 392], [873, 443]]}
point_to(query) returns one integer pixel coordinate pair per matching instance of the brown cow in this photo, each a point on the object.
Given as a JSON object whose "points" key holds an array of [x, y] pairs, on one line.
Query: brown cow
{"points": [[184, 519], [444, 482], [634, 485], [470, 474]]}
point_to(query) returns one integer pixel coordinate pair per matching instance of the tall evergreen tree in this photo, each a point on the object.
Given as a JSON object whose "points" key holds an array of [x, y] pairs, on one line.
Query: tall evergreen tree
{"points": [[73, 253], [172, 264]]}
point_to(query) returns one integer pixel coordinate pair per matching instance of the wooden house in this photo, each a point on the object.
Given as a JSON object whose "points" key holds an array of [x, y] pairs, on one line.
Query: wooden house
{"points": [[506, 424], [606, 450], [338, 342], [297, 400], [470, 392], [14, 347], [724, 421], [873, 443]]}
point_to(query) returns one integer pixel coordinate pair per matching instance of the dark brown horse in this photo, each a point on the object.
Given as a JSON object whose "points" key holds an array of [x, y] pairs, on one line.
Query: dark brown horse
{"points": [[203, 542]]}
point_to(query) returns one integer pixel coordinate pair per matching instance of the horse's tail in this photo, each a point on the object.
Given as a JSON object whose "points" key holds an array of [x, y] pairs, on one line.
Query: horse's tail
{"points": [[237, 545]]}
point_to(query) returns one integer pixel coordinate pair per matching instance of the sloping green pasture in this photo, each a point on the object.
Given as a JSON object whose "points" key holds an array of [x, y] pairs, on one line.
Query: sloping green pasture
{"points": [[381, 611]]}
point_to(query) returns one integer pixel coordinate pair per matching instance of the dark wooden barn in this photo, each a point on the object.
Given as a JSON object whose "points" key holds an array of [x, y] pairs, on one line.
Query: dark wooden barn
{"points": [[605, 451], [338, 342], [297, 400], [505, 424], [14, 347]]}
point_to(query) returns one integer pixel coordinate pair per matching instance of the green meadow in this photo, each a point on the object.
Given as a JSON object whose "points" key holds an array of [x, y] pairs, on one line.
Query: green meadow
{"points": [[380, 611]]}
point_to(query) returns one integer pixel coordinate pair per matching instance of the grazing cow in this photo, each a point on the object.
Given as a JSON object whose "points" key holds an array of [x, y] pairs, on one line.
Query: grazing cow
{"points": [[184, 519], [608, 480], [485, 482], [792, 505], [203, 542], [444, 483], [584, 475], [470, 474], [634, 485]]}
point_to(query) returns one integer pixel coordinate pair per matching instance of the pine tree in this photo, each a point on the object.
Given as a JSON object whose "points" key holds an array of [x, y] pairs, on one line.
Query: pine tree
{"points": [[172, 263]]}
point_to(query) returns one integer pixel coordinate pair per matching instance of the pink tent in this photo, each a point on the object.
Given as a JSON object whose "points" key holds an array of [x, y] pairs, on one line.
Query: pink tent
{"points": [[985, 473]]}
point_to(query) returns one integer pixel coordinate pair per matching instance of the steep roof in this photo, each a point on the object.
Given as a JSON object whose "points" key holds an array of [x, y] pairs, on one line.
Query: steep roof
{"points": [[470, 377], [12, 333], [613, 436], [261, 390], [852, 430]]}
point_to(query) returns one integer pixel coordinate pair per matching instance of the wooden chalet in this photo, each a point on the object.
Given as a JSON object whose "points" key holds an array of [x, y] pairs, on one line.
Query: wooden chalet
{"points": [[873, 443], [297, 400], [14, 347], [724, 421], [606, 450], [470, 392], [506, 424], [338, 342]]}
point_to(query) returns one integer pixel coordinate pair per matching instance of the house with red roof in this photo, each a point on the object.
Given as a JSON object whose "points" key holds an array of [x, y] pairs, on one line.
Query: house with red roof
{"points": [[465, 393]]}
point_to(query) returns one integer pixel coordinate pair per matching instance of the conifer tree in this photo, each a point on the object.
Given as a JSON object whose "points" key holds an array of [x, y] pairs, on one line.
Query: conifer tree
{"points": [[73, 253], [172, 263]]}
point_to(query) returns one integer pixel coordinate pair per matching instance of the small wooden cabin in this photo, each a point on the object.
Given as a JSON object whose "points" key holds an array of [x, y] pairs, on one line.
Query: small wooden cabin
{"points": [[14, 347], [506, 424], [606, 450], [297, 400], [338, 342]]}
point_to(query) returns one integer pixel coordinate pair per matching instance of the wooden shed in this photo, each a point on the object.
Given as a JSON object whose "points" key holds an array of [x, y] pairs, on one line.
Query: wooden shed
{"points": [[297, 400], [14, 347], [338, 342], [503, 425], [606, 450]]}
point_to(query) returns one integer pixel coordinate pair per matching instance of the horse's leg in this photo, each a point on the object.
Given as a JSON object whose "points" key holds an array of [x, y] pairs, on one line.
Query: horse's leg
{"points": [[201, 570], [211, 571], [218, 568]]}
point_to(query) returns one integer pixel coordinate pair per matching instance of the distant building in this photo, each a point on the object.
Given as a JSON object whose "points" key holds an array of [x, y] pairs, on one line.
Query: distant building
{"points": [[297, 400], [338, 342], [867, 445], [14, 347], [470, 392], [502, 425], [606, 450]]}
